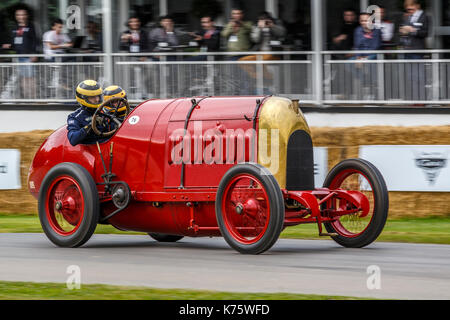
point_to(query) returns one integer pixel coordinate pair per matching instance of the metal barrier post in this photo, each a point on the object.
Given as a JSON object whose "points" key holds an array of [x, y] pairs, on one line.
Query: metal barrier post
{"points": [[163, 78], [328, 77], [210, 76], [107, 41], [15, 79], [435, 74], [309, 72], [124, 73], [259, 75], [317, 39], [287, 76], [58, 78], [380, 77], [402, 78]]}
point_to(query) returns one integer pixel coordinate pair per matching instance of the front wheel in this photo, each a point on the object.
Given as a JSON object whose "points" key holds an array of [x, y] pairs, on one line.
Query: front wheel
{"points": [[68, 205], [358, 230], [250, 208]]}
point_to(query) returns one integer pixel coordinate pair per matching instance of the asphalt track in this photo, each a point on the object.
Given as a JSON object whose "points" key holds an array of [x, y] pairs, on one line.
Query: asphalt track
{"points": [[408, 271]]}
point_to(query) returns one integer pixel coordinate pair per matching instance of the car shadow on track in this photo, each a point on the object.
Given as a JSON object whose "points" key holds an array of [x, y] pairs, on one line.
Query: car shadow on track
{"points": [[303, 247], [321, 250], [110, 244]]}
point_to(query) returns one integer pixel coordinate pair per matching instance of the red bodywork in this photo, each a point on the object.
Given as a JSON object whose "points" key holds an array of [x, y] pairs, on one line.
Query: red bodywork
{"points": [[142, 159]]}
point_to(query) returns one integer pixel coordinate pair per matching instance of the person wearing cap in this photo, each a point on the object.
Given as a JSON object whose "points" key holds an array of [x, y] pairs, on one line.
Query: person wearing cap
{"points": [[89, 95], [115, 92]]}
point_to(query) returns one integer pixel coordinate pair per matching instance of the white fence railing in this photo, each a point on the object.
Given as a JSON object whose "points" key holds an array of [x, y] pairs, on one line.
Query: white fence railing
{"points": [[47, 80], [219, 74], [387, 78]]}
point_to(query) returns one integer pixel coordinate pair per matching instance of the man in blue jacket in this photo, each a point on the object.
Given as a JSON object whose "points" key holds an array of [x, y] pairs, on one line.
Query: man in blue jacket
{"points": [[89, 95], [366, 37]]}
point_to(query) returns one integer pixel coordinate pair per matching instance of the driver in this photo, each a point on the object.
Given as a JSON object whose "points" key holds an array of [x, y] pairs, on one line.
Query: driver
{"points": [[89, 95], [115, 92]]}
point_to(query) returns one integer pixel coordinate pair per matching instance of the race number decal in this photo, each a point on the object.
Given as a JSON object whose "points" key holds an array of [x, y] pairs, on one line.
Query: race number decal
{"points": [[134, 120]]}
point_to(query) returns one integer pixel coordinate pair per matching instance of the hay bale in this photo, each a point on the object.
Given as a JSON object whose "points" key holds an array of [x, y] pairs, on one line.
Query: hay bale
{"points": [[343, 143]]}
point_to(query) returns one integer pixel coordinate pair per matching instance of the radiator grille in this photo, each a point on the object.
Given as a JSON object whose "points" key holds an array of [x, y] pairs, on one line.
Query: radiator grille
{"points": [[300, 162]]}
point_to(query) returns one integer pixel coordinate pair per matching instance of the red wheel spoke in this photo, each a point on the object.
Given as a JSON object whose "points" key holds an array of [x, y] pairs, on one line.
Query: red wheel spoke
{"points": [[246, 209], [348, 222], [65, 205]]}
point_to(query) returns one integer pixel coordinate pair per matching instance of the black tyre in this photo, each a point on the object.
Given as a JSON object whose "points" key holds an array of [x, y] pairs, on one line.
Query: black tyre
{"points": [[250, 208], [356, 230], [68, 205], [160, 237]]}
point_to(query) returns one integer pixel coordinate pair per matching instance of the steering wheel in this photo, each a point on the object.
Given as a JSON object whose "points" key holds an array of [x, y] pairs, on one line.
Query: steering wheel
{"points": [[109, 119]]}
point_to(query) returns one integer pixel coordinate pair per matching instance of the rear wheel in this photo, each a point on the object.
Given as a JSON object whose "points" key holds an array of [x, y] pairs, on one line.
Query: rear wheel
{"points": [[358, 230], [68, 205], [160, 237], [250, 208]]}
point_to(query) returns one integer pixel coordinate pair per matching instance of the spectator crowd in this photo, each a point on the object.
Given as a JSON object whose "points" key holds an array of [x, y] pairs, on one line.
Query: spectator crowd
{"points": [[238, 35], [267, 34], [364, 33]]}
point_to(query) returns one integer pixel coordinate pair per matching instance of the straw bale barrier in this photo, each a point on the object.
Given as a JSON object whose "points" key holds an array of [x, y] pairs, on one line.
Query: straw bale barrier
{"points": [[343, 143]]}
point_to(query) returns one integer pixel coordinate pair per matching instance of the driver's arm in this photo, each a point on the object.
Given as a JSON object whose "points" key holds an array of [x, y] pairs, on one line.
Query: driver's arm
{"points": [[76, 131]]}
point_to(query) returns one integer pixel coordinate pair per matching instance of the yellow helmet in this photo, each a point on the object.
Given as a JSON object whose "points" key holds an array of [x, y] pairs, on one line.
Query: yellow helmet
{"points": [[114, 92], [86, 90]]}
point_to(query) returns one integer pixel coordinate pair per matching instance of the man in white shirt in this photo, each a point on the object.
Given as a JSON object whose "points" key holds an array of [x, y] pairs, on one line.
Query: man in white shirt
{"points": [[386, 27], [55, 42]]}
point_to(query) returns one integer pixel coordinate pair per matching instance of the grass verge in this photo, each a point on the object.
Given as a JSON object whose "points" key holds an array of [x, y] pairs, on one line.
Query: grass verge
{"points": [[435, 230], [414, 230], [57, 291]]}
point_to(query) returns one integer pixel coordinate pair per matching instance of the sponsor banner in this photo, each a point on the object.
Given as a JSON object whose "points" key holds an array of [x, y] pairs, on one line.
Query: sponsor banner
{"points": [[9, 169], [411, 168], [320, 166]]}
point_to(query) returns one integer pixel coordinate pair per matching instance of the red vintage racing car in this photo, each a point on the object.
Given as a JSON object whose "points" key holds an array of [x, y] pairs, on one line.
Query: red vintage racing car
{"points": [[237, 167]]}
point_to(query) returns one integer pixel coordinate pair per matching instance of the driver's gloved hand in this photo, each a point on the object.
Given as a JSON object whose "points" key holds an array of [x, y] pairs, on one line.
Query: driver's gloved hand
{"points": [[99, 120]]}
